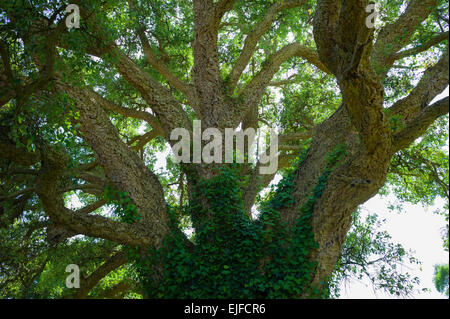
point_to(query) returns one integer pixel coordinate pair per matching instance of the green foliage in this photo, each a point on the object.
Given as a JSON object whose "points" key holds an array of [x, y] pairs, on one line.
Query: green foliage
{"points": [[23, 253], [370, 254], [88, 253], [125, 208], [420, 174], [440, 278], [310, 99]]}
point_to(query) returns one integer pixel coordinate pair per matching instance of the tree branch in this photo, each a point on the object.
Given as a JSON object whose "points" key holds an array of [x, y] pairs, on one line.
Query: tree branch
{"points": [[220, 8], [208, 83], [393, 37], [128, 112], [19, 155], [421, 48], [87, 284], [90, 208], [160, 66], [165, 106], [256, 88], [53, 165], [419, 124], [121, 165], [433, 82], [259, 181], [258, 30], [325, 23]]}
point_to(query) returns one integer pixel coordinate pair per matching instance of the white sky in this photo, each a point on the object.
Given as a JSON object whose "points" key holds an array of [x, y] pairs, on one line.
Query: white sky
{"points": [[415, 228]]}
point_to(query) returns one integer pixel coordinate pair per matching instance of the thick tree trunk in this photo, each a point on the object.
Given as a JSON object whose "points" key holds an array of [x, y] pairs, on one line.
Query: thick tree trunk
{"points": [[358, 177]]}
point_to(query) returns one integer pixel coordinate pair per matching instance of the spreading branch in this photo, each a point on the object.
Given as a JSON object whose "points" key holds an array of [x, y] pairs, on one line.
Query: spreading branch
{"points": [[435, 40], [251, 41], [161, 66], [53, 166], [121, 165], [87, 284], [419, 124], [253, 92], [394, 36], [433, 82]]}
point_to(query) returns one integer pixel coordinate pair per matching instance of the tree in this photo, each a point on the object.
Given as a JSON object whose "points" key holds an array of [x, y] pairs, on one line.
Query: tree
{"points": [[84, 110]]}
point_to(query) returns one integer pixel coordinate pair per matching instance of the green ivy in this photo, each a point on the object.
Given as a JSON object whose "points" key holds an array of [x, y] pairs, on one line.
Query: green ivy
{"points": [[234, 257], [126, 210]]}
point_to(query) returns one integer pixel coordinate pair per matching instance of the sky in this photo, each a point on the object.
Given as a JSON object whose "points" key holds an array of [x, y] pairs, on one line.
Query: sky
{"points": [[416, 228]]}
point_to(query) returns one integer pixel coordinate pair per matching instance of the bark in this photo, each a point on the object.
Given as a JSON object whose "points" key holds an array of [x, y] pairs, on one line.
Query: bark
{"points": [[359, 123], [433, 82], [418, 125], [393, 37], [87, 284], [209, 85], [251, 41], [122, 166]]}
